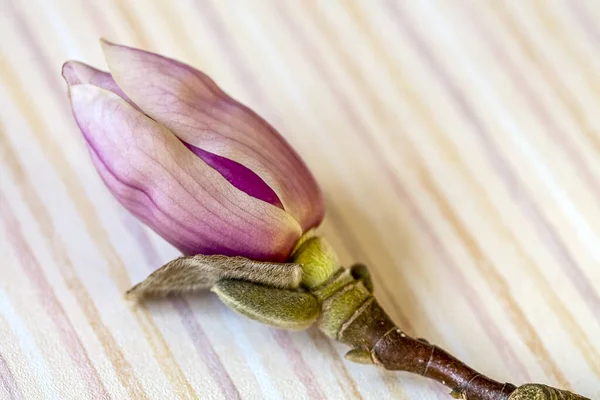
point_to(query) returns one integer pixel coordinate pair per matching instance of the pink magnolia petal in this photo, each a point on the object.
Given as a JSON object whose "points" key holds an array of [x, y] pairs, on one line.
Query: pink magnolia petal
{"points": [[193, 107], [76, 73], [159, 180]]}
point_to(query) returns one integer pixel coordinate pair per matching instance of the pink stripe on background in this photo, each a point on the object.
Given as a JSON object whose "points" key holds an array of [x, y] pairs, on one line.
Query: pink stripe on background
{"points": [[586, 22], [8, 381], [562, 140], [514, 186], [302, 370], [47, 299]]}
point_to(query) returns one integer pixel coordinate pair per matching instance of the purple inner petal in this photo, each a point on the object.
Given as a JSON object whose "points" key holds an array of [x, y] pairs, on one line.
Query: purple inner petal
{"points": [[239, 176]]}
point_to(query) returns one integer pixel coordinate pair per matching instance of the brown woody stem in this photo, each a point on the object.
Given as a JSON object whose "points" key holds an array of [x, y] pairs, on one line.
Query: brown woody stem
{"points": [[350, 314], [372, 330]]}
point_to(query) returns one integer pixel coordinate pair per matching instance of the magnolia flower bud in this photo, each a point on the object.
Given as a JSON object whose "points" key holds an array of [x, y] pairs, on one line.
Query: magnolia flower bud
{"points": [[202, 170]]}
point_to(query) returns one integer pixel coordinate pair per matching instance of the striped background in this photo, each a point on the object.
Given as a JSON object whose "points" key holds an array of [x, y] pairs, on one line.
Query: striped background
{"points": [[458, 146]]}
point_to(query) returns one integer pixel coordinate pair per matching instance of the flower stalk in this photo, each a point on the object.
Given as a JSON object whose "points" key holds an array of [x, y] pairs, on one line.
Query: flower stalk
{"points": [[351, 314]]}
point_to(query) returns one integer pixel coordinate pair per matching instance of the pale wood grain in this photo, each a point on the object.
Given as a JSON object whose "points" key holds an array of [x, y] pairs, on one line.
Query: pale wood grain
{"points": [[458, 146]]}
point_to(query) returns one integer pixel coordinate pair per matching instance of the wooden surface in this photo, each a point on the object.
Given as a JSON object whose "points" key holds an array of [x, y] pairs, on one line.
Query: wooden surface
{"points": [[458, 146]]}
